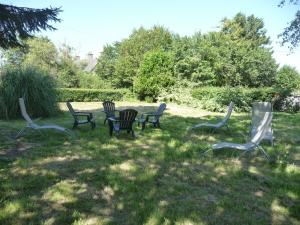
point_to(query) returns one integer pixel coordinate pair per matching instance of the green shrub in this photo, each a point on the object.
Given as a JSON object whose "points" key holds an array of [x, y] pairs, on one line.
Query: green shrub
{"points": [[287, 78], [34, 85], [89, 95], [90, 80], [155, 74], [217, 98]]}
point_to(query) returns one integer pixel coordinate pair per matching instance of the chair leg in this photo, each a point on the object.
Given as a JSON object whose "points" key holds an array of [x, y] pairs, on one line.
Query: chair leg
{"points": [[132, 133], [75, 124], [105, 121], [264, 152], [93, 124], [143, 125]]}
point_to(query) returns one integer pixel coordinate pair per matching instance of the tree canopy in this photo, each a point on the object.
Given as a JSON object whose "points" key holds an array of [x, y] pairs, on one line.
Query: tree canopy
{"points": [[291, 34], [17, 23]]}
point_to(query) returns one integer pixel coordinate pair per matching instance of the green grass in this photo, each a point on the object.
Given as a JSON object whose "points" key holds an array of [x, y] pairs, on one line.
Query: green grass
{"points": [[160, 177]]}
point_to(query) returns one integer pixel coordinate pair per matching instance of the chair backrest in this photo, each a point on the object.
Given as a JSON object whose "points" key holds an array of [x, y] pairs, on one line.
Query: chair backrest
{"points": [[160, 110], [108, 106], [127, 117], [228, 114], [259, 110], [24, 112], [262, 128], [71, 109]]}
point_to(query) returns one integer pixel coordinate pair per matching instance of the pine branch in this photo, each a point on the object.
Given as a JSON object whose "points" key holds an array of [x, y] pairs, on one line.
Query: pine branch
{"points": [[18, 23]]}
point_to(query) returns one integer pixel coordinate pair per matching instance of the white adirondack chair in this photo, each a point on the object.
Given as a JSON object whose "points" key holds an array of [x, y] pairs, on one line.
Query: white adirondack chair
{"points": [[34, 126], [254, 141], [222, 123]]}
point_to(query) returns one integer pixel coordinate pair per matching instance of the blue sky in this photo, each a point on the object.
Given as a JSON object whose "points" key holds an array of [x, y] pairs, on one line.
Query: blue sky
{"points": [[87, 25]]}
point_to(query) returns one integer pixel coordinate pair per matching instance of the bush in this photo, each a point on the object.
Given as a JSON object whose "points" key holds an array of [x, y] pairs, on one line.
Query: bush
{"points": [[88, 80], [89, 95], [287, 78], [37, 88], [180, 93], [217, 98], [155, 74]]}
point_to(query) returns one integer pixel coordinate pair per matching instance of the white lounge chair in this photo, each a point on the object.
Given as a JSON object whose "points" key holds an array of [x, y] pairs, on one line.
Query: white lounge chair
{"points": [[222, 123], [258, 111], [254, 141], [34, 126]]}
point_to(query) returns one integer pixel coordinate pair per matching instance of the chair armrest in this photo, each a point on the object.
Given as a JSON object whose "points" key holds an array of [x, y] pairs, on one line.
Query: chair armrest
{"points": [[83, 113], [110, 111], [149, 113], [113, 119]]}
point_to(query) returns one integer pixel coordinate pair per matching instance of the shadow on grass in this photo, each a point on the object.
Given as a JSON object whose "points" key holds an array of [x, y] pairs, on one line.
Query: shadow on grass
{"points": [[160, 177]]}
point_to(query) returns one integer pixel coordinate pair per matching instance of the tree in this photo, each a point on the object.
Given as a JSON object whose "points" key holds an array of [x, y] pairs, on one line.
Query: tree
{"points": [[247, 28], [106, 64], [17, 23], [291, 34], [38, 52], [155, 74], [68, 71], [287, 78], [132, 50]]}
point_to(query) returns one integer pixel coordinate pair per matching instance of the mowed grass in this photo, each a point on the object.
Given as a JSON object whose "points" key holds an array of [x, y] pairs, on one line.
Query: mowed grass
{"points": [[160, 177]]}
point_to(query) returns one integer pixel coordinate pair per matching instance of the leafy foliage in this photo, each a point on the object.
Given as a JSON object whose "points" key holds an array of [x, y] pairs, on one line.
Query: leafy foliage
{"points": [[155, 74], [243, 27], [37, 88], [287, 78], [217, 98], [91, 80], [68, 70], [106, 64], [89, 95], [291, 34], [38, 52], [19, 23], [122, 60]]}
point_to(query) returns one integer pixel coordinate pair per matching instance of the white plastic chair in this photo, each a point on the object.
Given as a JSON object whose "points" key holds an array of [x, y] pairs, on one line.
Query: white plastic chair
{"points": [[258, 111], [223, 122], [254, 141], [34, 126]]}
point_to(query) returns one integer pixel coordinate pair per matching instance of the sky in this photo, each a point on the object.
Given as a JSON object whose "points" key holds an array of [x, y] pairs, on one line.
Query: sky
{"points": [[88, 25]]}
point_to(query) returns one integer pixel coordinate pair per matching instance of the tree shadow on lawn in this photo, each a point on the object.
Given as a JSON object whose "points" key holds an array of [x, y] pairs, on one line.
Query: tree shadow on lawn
{"points": [[161, 177]]}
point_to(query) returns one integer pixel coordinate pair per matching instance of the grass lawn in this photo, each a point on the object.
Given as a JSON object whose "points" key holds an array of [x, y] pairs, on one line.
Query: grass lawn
{"points": [[160, 177]]}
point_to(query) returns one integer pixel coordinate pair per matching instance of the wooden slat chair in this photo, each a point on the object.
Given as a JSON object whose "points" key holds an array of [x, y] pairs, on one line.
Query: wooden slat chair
{"points": [[124, 122], [152, 117], [79, 115], [109, 110]]}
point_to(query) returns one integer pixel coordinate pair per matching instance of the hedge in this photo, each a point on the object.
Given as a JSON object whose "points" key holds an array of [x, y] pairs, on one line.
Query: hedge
{"points": [[89, 95], [217, 98]]}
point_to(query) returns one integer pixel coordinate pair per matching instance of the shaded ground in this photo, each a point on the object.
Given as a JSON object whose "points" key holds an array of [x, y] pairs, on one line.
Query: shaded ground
{"points": [[160, 177]]}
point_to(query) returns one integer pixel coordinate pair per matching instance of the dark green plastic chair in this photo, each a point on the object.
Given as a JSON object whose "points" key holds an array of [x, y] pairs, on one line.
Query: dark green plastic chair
{"points": [[124, 122], [152, 117], [87, 117], [109, 110]]}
